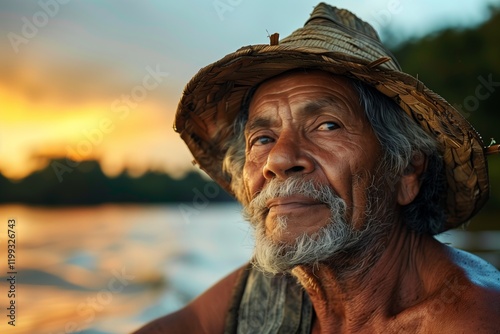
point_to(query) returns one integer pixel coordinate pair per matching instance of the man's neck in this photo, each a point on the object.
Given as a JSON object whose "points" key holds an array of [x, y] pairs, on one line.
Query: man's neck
{"points": [[391, 282]]}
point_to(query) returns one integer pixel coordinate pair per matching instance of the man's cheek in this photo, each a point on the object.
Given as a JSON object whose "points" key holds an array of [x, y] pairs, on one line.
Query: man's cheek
{"points": [[253, 181]]}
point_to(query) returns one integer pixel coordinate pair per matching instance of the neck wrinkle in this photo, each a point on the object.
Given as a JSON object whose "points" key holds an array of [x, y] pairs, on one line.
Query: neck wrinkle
{"points": [[390, 283]]}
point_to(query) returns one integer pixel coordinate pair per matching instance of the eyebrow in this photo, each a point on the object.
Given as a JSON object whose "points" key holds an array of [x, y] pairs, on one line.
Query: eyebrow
{"points": [[259, 123], [315, 107], [310, 109]]}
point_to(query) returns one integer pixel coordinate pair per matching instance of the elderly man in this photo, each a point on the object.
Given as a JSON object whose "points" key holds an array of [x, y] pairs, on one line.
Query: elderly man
{"points": [[346, 168]]}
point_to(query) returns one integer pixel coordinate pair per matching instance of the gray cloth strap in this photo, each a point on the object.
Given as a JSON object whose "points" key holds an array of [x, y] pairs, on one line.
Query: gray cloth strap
{"points": [[271, 304]]}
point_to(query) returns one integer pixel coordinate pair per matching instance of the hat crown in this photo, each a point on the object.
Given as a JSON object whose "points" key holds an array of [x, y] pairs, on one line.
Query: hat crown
{"points": [[331, 29], [342, 18]]}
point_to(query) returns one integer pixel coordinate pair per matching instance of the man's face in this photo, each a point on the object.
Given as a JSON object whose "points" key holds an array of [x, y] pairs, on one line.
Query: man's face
{"points": [[309, 126]]}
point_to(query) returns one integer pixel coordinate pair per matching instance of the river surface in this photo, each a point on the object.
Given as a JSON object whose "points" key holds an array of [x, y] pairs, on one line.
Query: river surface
{"points": [[111, 268]]}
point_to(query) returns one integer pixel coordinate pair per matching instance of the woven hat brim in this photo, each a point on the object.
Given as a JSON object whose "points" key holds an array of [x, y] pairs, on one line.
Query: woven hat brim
{"points": [[213, 99]]}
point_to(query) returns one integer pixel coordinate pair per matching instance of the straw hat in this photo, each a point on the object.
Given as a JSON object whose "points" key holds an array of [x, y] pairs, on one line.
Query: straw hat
{"points": [[336, 41]]}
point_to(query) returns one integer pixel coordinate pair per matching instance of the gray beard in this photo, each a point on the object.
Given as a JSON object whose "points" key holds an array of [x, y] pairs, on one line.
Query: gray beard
{"points": [[346, 249]]}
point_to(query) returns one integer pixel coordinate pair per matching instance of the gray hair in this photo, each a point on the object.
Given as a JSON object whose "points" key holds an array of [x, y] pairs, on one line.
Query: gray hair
{"points": [[401, 139]]}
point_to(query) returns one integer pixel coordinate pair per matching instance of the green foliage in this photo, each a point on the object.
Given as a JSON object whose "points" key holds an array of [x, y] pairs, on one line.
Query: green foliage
{"points": [[452, 64], [455, 64], [87, 184]]}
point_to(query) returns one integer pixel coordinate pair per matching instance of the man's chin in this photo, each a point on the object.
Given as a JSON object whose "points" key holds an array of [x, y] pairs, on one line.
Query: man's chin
{"points": [[278, 254], [286, 231], [281, 238]]}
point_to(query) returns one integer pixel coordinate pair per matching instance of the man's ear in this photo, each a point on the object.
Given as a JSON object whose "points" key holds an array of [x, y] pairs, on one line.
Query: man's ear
{"points": [[409, 185]]}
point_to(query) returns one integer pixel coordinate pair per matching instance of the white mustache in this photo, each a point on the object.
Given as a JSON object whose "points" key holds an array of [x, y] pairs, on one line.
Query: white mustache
{"points": [[293, 186]]}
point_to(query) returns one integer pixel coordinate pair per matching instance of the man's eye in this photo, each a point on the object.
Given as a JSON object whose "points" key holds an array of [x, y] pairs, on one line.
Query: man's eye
{"points": [[262, 140], [328, 126]]}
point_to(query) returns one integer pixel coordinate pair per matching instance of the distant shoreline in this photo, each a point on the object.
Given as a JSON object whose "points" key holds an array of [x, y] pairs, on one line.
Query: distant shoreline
{"points": [[88, 185]]}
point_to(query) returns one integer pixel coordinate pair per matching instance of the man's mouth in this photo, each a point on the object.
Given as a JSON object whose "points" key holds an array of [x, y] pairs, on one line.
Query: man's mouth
{"points": [[291, 203]]}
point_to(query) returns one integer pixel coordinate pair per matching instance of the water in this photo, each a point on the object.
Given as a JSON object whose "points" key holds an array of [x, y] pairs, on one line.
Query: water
{"points": [[112, 268]]}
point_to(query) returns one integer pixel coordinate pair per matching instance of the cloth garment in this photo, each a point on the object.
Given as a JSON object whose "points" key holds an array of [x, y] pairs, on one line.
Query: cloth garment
{"points": [[268, 304]]}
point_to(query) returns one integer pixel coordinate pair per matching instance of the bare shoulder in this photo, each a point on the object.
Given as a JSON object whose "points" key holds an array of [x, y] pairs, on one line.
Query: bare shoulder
{"points": [[212, 306], [205, 314], [469, 299]]}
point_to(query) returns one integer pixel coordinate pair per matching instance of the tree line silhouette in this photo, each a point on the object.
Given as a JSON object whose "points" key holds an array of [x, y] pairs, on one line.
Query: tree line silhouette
{"points": [[88, 185]]}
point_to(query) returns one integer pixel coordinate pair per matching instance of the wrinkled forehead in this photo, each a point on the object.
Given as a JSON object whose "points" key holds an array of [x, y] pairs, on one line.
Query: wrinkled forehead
{"points": [[309, 90]]}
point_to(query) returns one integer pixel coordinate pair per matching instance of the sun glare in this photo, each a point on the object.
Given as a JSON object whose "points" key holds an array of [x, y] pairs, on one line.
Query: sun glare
{"points": [[33, 133]]}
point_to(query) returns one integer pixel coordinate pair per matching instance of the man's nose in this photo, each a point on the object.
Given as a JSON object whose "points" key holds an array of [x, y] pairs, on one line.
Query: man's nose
{"points": [[286, 158]]}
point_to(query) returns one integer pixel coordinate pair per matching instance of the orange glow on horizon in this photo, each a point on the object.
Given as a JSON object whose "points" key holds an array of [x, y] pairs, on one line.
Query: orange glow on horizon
{"points": [[33, 132]]}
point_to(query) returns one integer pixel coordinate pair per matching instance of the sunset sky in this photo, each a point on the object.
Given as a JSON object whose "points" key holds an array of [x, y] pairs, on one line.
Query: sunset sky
{"points": [[101, 79]]}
